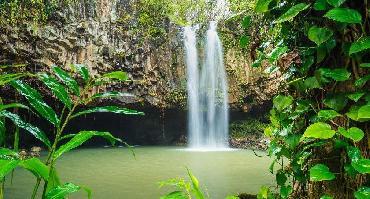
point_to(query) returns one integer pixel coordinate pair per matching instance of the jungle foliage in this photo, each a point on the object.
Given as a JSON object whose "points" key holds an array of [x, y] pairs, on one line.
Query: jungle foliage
{"points": [[71, 90], [319, 124]]}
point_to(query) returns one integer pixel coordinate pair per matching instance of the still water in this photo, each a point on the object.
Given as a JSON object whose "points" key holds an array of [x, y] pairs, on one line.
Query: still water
{"points": [[113, 173]]}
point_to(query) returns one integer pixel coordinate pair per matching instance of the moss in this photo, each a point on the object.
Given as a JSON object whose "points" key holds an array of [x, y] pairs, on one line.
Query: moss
{"points": [[177, 96]]}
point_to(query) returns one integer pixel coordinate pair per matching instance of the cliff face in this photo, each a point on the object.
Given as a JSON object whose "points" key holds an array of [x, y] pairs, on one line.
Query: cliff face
{"points": [[111, 35]]}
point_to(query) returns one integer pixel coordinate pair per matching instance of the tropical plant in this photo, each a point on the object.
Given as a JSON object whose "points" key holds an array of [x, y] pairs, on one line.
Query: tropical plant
{"points": [[186, 189], [73, 94], [319, 126]]}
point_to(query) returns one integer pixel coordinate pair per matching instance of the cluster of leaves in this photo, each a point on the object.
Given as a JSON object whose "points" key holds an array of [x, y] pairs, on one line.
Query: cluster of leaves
{"points": [[247, 127], [37, 11], [73, 94], [327, 108], [185, 189]]}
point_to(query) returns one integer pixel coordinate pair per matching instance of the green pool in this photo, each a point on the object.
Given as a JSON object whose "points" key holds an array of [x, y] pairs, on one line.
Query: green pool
{"points": [[113, 173]]}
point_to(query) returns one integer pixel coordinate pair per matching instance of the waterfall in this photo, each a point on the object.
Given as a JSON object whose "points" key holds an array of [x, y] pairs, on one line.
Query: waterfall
{"points": [[207, 92]]}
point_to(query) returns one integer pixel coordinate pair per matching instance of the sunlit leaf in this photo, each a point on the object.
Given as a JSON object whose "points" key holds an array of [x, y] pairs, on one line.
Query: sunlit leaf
{"points": [[356, 96], [364, 112], [81, 138], [363, 193], [262, 5], [281, 102], [353, 133], [196, 189], [362, 81], [292, 12], [35, 99], [38, 168], [60, 192], [353, 114], [344, 15], [58, 90], [360, 45], [67, 80], [319, 130], [116, 75], [338, 74], [82, 69], [326, 197], [362, 165], [320, 172], [325, 115], [319, 35], [35, 131], [109, 109], [365, 65], [7, 166]]}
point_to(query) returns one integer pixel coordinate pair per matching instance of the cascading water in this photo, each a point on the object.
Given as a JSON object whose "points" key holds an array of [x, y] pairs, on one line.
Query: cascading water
{"points": [[207, 92]]}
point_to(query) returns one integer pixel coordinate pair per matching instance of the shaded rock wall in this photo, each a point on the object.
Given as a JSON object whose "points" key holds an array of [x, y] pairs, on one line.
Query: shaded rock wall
{"points": [[106, 35]]}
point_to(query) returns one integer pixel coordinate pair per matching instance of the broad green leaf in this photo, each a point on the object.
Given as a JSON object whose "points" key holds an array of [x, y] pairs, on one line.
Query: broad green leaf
{"points": [[244, 41], [353, 114], [195, 183], [353, 133], [354, 153], [7, 166], [326, 197], [362, 165], [338, 74], [35, 99], [319, 130], [2, 131], [292, 12], [350, 170], [320, 172], [60, 192], [362, 81], [67, 80], [336, 102], [82, 69], [363, 193], [364, 112], [262, 5], [117, 75], [360, 45], [12, 105], [175, 195], [8, 154], [356, 96], [285, 191], [365, 65], [336, 3], [320, 5], [325, 115], [344, 15], [26, 126], [82, 137], [319, 35], [58, 89], [246, 22], [35, 166], [277, 52], [281, 102], [108, 109]]}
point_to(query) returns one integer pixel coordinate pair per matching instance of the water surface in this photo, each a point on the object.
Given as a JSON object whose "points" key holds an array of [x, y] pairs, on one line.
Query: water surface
{"points": [[113, 173]]}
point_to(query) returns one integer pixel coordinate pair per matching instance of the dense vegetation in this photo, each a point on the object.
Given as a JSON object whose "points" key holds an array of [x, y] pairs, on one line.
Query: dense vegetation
{"points": [[73, 94], [319, 126], [319, 123]]}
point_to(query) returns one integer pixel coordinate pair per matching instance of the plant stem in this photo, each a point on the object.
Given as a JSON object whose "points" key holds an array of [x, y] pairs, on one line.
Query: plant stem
{"points": [[36, 188]]}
